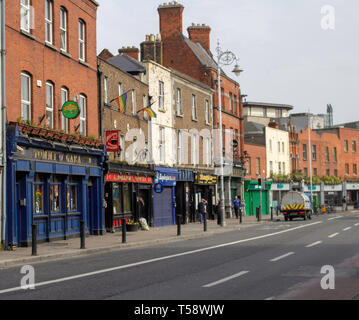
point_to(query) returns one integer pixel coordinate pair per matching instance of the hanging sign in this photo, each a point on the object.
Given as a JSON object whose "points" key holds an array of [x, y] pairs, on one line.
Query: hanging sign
{"points": [[70, 110], [158, 188], [112, 141]]}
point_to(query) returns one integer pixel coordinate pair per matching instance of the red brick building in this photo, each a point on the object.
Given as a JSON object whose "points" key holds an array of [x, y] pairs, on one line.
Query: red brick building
{"points": [[51, 51], [54, 170], [256, 161], [192, 56], [334, 152]]}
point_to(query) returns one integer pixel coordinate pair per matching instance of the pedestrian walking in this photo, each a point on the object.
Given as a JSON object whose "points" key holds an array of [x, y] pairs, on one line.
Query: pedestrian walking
{"points": [[236, 205], [202, 208], [344, 204]]}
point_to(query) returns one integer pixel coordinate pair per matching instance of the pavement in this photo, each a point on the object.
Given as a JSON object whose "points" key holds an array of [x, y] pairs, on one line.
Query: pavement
{"points": [[69, 248]]}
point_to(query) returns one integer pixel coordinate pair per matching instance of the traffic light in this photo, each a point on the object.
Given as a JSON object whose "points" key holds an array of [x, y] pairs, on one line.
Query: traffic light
{"points": [[105, 165], [260, 182]]}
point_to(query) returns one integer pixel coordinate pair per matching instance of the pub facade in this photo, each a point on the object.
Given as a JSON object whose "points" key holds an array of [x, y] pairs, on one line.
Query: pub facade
{"points": [[52, 184]]}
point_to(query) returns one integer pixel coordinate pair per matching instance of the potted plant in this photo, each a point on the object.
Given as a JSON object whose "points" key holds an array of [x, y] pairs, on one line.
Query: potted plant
{"points": [[132, 226]]}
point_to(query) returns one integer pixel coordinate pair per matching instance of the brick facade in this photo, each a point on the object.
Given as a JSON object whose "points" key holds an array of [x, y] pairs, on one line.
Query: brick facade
{"points": [[112, 119], [324, 162], [28, 52], [183, 120], [257, 154]]}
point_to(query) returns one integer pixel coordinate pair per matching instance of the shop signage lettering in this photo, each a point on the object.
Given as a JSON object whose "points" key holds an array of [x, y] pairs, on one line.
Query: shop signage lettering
{"points": [[114, 177], [206, 179], [45, 155]]}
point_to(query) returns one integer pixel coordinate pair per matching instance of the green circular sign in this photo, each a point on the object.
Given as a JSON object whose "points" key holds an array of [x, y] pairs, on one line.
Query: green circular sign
{"points": [[70, 110]]}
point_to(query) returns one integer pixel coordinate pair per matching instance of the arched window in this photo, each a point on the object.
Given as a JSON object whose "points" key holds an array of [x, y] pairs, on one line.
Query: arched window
{"points": [[25, 15], [82, 40], [25, 96], [48, 22], [49, 104], [64, 98], [83, 113], [63, 29]]}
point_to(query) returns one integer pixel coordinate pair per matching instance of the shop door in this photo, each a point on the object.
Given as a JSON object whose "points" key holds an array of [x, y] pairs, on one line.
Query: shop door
{"points": [[163, 208]]}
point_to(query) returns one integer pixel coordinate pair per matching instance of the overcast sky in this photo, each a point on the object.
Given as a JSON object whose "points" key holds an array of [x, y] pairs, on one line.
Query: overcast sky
{"points": [[287, 55]]}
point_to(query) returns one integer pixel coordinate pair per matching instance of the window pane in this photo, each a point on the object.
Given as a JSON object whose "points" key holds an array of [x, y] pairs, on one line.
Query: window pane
{"points": [[25, 88], [71, 198], [126, 198], [55, 197], [39, 198], [116, 199]]}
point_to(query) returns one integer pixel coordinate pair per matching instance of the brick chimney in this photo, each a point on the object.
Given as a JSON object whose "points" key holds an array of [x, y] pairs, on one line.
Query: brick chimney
{"points": [[132, 52], [200, 33], [105, 54], [170, 19], [152, 48]]}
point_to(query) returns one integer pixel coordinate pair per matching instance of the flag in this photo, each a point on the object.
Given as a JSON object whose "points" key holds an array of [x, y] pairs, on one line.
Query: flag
{"points": [[122, 101], [149, 111]]}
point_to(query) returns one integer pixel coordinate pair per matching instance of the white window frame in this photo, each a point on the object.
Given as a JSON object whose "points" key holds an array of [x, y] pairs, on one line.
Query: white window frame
{"points": [[207, 160], [179, 102], [83, 114], [179, 147], [26, 103], [122, 147], [105, 89], [161, 95], [134, 102], [194, 107], [82, 40], [119, 89], [161, 131], [207, 111], [49, 37], [64, 98], [63, 29], [194, 147], [50, 104], [25, 15]]}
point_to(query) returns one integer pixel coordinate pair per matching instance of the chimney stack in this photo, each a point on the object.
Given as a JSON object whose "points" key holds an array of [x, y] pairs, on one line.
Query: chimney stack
{"points": [[170, 19], [200, 33], [152, 49], [132, 52]]}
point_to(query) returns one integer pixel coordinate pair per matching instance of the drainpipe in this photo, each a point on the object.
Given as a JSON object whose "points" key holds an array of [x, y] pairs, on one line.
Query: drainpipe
{"points": [[3, 125]]}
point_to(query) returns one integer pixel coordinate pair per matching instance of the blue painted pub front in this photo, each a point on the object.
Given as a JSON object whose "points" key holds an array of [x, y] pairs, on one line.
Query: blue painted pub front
{"points": [[53, 185]]}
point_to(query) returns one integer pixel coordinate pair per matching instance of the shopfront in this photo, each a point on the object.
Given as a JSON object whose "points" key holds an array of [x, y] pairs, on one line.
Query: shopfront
{"points": [[164, 196], [204, 187], [185, 195], [53, 185], [128, 194]]}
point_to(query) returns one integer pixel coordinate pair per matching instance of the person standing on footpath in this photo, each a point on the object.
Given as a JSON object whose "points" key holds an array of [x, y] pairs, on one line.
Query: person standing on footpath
{"points": [[202, 208], [236, 205]]}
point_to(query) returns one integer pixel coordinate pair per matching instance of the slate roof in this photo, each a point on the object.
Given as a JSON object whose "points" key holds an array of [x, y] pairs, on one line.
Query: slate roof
{"points": [[127, 64]]}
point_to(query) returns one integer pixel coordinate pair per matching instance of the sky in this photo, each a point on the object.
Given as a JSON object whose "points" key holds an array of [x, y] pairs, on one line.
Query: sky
{"points": [[304, 53]]}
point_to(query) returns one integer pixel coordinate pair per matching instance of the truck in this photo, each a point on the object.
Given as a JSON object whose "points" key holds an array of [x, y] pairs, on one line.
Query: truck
{"points": [[295, 204]]}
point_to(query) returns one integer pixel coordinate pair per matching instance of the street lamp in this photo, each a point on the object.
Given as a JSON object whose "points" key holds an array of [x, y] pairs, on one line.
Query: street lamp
{"points": [[225, 58]]}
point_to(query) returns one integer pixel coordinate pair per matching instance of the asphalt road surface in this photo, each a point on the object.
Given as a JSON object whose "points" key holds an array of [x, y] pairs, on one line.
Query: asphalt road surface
{"points": [[280, 260]]}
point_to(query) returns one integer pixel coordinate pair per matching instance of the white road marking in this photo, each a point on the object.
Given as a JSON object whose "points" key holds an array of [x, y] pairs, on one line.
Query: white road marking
{"points": [[348, 228], [313, 244], [357, 224], [159, 259], [333, 235], [282, 257], [332, 218], [225, 279], [270, 298]]}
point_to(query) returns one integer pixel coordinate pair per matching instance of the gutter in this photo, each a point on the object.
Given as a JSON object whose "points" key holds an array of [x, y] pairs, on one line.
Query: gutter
{"points": [[3, 125]]}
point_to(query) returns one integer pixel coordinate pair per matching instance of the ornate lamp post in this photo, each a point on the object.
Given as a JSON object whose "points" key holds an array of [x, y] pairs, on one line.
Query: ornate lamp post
{"points": [[225, 58]]}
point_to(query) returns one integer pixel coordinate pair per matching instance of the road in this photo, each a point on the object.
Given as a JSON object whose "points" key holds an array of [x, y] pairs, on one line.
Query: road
{"points": [[280, 260]]}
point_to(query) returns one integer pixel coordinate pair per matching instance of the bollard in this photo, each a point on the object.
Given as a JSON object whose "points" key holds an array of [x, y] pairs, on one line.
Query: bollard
{"points": [[82, 234], [34, 239], [271, 213], [205, 222], [178, 225], [240, 215], [257, 213], [123, 230]]}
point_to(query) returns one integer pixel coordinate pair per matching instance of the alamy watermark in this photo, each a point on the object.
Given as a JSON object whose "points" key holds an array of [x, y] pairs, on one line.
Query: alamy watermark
{"points": [[28, 280], [328, 17], [328, 281]]}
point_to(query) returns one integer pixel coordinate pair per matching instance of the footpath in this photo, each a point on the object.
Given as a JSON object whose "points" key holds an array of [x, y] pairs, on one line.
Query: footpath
{"points": [[70, 248]]}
